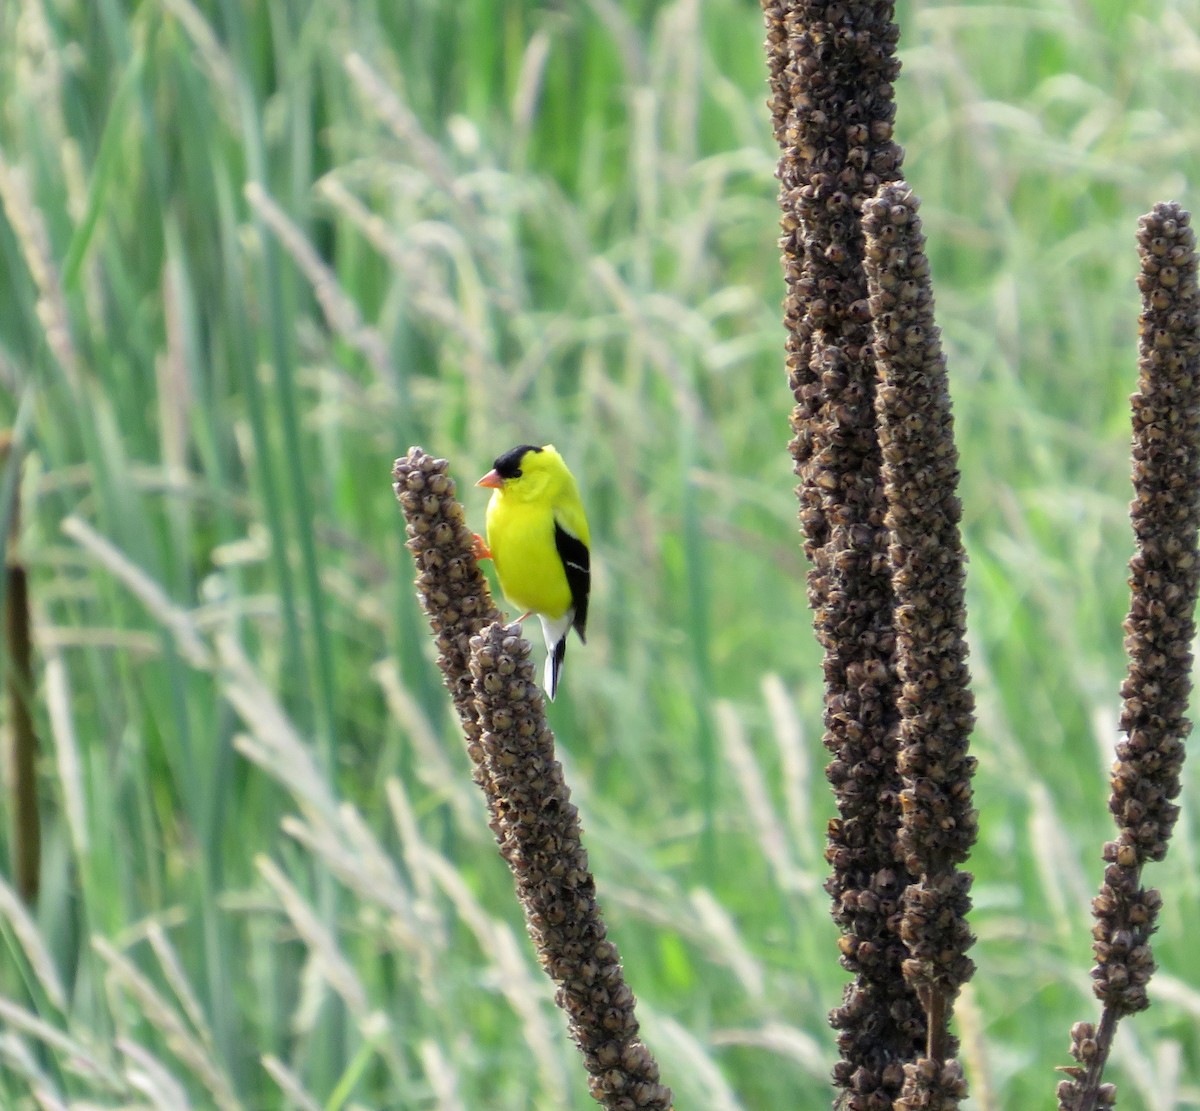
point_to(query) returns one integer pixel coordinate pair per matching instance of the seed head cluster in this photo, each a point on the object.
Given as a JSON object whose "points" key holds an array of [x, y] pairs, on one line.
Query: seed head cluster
{"points": [[931, 1085], [539, 836], [1089, 1046], [831, 68], [1164, 574], [920, 472], [452, 589]]}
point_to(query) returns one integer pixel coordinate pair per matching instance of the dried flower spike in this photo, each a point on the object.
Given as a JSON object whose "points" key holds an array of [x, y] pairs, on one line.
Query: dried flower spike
{"points": [[452, 589], [1164, 572], [539, 835], [831, 67], [1164, 577], [920, 471]]}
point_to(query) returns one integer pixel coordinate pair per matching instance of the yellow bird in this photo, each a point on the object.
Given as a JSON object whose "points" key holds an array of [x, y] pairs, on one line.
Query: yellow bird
{"points": [[537, 534]]}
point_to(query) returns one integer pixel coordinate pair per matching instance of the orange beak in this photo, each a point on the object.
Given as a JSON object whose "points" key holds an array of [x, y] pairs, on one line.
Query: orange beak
{"points": [[491, 479]]}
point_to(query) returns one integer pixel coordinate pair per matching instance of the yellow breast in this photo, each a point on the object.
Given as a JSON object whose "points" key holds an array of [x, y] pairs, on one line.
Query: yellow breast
{"points": [[521, 536]]}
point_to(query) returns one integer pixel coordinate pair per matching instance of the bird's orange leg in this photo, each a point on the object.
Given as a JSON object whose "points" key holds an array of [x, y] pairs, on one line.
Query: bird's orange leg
{"points": [[481, 549]]}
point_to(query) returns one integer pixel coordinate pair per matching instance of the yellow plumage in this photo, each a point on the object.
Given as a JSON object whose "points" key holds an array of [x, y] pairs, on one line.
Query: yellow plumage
{"points": [[538, 535]]}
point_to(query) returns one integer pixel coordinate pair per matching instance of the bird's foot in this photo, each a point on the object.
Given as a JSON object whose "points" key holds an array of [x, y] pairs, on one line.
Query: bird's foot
{"points": [[481, 550]]}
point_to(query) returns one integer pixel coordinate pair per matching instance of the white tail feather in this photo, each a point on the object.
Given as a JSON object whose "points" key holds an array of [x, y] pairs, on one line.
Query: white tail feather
{"points": [[555, 632]]}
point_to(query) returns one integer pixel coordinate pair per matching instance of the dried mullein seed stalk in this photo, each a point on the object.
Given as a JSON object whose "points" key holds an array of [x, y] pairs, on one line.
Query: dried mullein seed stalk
{"points": [[831, 68], [920, 471], [452, 588], [539, 835], [836, 150], [1164, 575]]}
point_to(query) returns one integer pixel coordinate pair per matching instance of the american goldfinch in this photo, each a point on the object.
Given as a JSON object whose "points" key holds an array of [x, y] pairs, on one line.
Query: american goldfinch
{"points": [[537, 534]]}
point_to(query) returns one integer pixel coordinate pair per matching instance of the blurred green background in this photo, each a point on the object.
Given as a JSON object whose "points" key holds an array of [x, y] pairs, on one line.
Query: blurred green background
{"points": [[253, 250]]}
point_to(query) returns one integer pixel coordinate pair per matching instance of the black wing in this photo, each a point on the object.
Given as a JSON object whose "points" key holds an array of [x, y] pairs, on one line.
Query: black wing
{"points": [[577, 563]]}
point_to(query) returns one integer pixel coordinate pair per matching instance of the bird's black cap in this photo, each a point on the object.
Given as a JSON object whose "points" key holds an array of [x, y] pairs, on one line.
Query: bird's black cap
{"points": [[508, 465]]}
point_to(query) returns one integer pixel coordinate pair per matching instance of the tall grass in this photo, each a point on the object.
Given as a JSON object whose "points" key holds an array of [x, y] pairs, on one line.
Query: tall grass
{"points": [[251, 253]]}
